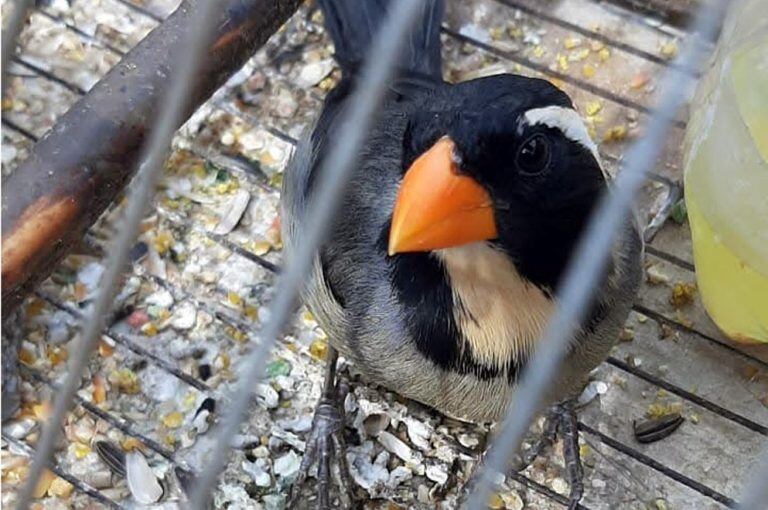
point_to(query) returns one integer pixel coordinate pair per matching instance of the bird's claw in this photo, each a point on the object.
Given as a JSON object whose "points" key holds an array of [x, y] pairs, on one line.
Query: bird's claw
{"points": [[324, 444], [541, 443], [560, 419], [569, 429]]}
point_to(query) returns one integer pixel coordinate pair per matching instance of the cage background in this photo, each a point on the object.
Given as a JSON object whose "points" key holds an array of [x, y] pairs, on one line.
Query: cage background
{"points": [[702, 465]]}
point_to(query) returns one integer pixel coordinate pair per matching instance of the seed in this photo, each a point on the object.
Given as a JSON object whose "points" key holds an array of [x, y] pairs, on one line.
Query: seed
{"points": [[654, 430], [111, 455]]}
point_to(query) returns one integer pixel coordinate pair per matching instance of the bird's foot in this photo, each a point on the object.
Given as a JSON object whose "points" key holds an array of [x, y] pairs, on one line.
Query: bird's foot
{"points": [[325, 445], [561, 420], [539, 445], [665, 209], [569, 429]]}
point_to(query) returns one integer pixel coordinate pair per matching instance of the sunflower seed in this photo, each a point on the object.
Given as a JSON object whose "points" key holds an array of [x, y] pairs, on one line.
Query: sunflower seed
{"points": [[142, 481], [112, 456], [654, 430], [231, 217]]}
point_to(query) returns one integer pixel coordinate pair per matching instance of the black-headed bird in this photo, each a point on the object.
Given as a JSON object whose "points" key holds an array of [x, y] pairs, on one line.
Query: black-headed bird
{"points": [[444, 263]]}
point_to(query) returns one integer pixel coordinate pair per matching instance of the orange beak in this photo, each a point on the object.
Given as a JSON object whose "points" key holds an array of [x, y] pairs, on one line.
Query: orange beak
{"points": [[436, 207]]}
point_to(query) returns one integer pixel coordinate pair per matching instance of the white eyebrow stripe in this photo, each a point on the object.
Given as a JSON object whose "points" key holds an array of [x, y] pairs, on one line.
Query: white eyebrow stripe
{"points": [[569, 122]]}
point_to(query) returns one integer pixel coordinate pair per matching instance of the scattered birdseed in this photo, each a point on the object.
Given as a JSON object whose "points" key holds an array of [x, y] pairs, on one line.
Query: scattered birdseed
{"points": [[173, 419], [571, 42], [669, 50], [318, 349], [638, 81], [615, 134], [682, 294], [60, 488], [578, 55], [495, 502], [43, 484], [627, 335], [593, 107]]}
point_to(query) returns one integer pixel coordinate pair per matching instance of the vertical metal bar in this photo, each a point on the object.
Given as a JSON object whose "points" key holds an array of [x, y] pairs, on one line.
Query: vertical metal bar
{"points": [[357, 120], [755, 495], [177, 97], [586, 266], [11, 32]]}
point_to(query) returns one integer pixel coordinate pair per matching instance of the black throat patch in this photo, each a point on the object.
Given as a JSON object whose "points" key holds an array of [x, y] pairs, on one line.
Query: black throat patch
{"points": [[423, 289]]}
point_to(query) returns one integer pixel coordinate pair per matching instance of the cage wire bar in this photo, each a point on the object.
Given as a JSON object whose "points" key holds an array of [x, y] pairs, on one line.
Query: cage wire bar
{"points": [[257, 180], [756, 492], [586, 264], [353, 130], [151, 160], [11, 32]]}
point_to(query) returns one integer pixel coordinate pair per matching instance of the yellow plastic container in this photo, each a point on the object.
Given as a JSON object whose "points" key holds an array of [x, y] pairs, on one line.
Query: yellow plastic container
{"points": [[726, 176]]}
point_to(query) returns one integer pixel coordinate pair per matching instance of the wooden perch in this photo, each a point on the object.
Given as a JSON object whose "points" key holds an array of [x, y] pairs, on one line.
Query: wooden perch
{"points": [[86, 159]]}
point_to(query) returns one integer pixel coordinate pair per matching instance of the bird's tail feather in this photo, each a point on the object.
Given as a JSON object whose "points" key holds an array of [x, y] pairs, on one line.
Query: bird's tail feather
{"points": [[352, 25]]}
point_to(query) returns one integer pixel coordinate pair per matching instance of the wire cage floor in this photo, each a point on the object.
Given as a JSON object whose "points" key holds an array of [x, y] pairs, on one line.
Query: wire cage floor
{"points": [[202, 273]]}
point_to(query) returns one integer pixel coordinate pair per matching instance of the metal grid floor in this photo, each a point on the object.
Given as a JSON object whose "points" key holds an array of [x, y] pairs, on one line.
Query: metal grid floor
{"points": [[676, 359]]}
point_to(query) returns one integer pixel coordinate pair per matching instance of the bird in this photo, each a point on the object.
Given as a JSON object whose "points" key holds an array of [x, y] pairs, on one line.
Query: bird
{"points": [[444, 263]]}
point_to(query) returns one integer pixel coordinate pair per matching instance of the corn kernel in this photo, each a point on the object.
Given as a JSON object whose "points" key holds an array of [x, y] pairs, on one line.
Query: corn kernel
{"points": [[105, 350], [41, 411], [579, 55], [26, 356], [131, 444], [616, 134], [163, 242], [571, 42], [234, 298], [318, 349], [149, 329], [60, 488], [173, 420], [593, 107], [125, 380], [80, 450], [495, 502], [99, 390], [56, 355], [669, 50], [43, 483], [261, 247]]}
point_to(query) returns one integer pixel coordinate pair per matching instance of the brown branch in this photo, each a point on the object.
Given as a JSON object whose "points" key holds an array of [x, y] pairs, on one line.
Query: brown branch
{"points": [[78, 169]]}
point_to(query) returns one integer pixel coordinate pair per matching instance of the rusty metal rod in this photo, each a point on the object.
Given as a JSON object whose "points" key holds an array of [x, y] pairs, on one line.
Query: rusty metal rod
{"points": [[81, 165]]}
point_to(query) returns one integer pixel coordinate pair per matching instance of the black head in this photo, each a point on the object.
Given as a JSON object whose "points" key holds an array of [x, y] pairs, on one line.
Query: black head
{"points": [[522, 142]]}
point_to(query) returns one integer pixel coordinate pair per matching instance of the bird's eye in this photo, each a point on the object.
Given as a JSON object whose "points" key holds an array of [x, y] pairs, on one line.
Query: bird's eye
{"points": [[533, 156]]}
